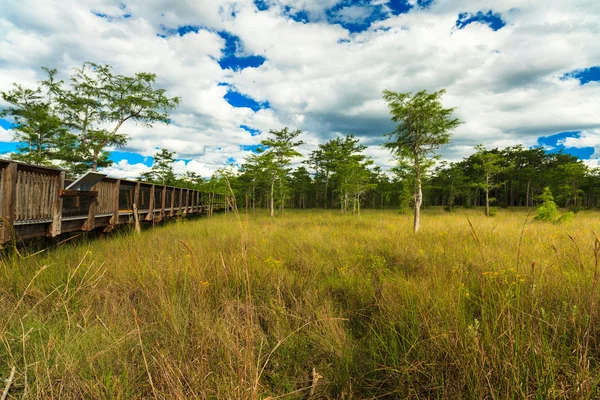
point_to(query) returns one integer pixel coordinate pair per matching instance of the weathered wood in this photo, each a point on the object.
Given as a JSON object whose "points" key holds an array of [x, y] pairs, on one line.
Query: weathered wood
{"points": [[136, 219], [78, 193], [172, 211], [18, 195], [115, 207], [90, 223], [32, 203], [9, 183], [150, 214], [180, 200], [57, 209], [136, 194], [185, 201], [163, 200]]}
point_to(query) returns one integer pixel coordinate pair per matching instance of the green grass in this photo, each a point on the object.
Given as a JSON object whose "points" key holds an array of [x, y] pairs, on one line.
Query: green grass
{"points": [[225, 309]]}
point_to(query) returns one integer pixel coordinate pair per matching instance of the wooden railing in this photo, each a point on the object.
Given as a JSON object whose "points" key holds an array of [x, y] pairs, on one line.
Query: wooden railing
{"points": [[34, 202]]}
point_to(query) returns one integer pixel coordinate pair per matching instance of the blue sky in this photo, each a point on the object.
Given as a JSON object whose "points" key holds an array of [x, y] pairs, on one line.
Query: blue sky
{"points": [[519, 72]]}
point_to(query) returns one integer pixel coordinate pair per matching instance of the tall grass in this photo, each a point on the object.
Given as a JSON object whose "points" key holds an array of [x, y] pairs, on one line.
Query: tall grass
{"points": [[470, 307]]}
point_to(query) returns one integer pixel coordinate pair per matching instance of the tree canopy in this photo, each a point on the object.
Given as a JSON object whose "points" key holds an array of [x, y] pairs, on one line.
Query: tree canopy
{"points": [[423, 126], [72, 125]]}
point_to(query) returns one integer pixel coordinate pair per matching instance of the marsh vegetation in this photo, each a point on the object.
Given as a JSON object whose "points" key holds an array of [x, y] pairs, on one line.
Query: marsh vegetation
{"points": [[221, 307]]}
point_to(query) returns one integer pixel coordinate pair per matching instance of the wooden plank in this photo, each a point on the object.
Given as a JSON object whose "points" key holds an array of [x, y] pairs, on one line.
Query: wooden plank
{"points": [[78, 193], [136, 218], [136, 195], [115, 203], [187, 199], [163, 200], [57, 209], [180, 199], [90, 223], [9, 184], [172, 202]]}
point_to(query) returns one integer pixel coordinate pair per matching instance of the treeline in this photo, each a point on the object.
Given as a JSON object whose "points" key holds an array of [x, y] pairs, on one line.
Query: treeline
{"points": [[338, 175], [72, 124]]}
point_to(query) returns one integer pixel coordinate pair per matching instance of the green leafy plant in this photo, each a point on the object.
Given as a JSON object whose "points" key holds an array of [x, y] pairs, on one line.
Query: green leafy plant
{"points": [[548, 210]]}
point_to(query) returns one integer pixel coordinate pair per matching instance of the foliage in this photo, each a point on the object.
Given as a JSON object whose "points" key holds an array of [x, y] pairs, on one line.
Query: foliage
{"points": [[424, 125], [37, 123], [548, 210], [490, 164], [73, 125], [162, 169], [277, 154]]}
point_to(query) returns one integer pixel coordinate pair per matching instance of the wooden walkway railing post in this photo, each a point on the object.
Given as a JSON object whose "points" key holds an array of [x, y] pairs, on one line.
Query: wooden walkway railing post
{"points": [[9, 183], [57, 208], [136, 195], [90, 223], [163, 200], [150, 215], [180, 200], [172, 206], [114, 220], [186, 209]]}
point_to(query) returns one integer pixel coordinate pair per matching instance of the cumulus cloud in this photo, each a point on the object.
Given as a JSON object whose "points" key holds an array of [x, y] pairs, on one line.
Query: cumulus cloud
{"points": [[510, 85], [5, 135], [589, 138]]}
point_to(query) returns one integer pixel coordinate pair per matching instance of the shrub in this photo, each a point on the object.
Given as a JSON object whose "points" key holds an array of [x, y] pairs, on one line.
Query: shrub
{"points": [[548, 210]]}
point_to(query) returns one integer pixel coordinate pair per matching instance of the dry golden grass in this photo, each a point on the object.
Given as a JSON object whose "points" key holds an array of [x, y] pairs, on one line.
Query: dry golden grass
{"points": [[213, 308]]}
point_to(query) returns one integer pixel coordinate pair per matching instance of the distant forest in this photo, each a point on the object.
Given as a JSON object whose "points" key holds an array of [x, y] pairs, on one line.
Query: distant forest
{"points": [[339, 176]]}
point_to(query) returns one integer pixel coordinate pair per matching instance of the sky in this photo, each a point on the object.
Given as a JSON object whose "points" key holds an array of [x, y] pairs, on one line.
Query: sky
{"points": [[518, 71]]}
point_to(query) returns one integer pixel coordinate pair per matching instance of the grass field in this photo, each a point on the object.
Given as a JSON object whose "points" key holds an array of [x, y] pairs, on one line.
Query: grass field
{"points": [[309, 304]]}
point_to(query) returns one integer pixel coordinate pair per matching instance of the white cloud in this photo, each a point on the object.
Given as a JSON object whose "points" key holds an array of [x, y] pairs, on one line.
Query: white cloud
{"points": [[5, 135], [588, 138], [123, 169]]}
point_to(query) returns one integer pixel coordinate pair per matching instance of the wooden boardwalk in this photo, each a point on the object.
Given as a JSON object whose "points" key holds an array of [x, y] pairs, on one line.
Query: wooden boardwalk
{"points": [[35, 203]]}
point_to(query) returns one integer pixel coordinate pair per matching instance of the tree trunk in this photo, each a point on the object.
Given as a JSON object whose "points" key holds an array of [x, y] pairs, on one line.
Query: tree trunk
{"points": [[527, 195], [95, 161], [272, 198], [418, 202], [253, 198], [487, 203], [346, 202], [281, 196], [326, 184]]}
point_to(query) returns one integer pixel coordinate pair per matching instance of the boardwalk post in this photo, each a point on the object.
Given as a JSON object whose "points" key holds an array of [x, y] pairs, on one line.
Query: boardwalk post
{"points": [[163, 200], [136, 194], [57, 207], [172, 202], [150, 216], [136, 219], [90, 223], [180, 200], [114, 220], [187, 201], [9, 184]]}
